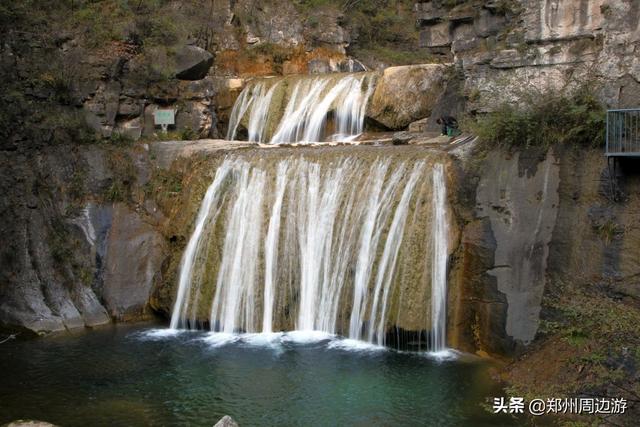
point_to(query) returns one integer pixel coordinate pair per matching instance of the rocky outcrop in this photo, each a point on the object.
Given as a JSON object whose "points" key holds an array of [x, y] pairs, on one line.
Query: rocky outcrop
{"points": [[75, 259], [562, 20], [406, 94], [510, 47], [192, 63], [126, 107], [537, 219], [519, 196]]}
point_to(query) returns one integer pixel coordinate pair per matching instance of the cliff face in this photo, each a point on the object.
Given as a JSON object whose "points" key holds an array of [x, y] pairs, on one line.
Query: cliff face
{"points": [[75, 253], [506, 47], [87, 241], [549, 265], [540, 226]]}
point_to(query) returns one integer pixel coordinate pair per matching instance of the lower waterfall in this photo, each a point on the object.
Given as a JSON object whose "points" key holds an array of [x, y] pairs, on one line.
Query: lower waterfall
{"points": [[352, 245]]}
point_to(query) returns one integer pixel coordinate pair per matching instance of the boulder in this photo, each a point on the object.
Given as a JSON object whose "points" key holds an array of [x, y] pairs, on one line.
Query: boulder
{"points": [[226, 421], [192, 63], [405, 94], [28, 423], [402, 138]]}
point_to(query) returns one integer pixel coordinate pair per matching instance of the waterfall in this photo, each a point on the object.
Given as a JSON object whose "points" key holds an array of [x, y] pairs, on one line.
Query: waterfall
{"points": [[440, 231], [258, 118], [271, 249], [317, 109], [234, 302], [179, 316], [372, 227], [387, 263], [319, 243], [240, 107]]}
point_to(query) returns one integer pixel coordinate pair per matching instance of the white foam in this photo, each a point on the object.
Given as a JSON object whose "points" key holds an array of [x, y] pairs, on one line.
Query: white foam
{"points": [[306, 337], [220, 339], [448, 354], [355, 345], [158, 334], [271, 340]]}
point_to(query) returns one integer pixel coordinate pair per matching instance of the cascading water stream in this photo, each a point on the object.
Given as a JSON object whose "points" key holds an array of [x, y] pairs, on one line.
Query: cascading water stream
{"points": [[440, 231], [387, 263], [179, 315], [319, 108], [271, 249], [316, 245]]}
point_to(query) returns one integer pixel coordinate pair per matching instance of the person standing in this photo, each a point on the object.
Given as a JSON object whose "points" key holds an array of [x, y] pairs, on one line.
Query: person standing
{"points": [[449, 125]]}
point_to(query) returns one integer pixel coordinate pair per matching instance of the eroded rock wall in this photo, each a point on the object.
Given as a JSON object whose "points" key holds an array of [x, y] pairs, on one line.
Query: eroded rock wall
{"points": [[538, 219], [72, 256], [505, 48]]}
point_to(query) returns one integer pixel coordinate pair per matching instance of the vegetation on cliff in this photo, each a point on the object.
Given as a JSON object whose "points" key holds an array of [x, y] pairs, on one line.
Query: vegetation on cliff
{"points": [[541, 118], [382, 30], [588, 345]]}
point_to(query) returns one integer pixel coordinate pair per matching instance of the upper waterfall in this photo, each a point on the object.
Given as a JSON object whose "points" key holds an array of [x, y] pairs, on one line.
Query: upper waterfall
{"points": [[353, 245], [302, 108]]}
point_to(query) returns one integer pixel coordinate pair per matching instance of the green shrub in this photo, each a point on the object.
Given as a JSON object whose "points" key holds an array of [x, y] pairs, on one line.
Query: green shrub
{"points": [[187, 134], [544, 118], [164, 183], [121, 139], [395, 56], [123, 169], [382, 29]]}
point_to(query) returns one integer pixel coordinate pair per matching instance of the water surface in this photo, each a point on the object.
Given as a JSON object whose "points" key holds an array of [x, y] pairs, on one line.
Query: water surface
{"points": [[142, 376]]}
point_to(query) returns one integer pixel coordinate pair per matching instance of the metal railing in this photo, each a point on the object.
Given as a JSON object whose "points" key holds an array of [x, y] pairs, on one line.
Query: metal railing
{"points": [[623, 132]]}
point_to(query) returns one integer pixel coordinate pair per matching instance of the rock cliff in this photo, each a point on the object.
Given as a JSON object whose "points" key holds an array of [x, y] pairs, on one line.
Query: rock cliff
{"points": [[86, 225], [504, 47]]}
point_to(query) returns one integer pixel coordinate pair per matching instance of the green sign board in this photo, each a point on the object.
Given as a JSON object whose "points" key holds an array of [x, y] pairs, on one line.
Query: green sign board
{"points": [[164, 117]]}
